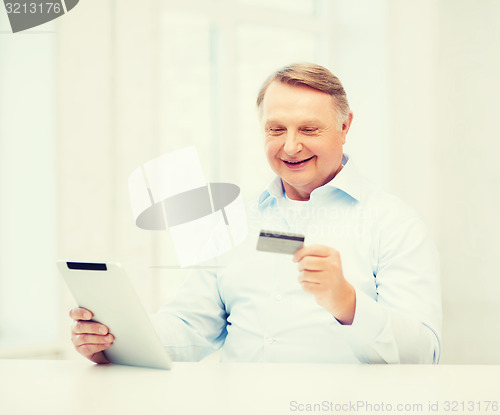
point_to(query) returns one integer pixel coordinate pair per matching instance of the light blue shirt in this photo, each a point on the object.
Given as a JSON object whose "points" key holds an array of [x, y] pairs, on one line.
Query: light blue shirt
{"points": [[253, 307]]}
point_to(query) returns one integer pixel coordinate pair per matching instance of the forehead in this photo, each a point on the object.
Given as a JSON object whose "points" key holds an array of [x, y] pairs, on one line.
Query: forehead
{"points": [[283, 100]]}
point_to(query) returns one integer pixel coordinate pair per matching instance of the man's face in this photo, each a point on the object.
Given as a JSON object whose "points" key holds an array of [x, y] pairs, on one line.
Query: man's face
{"points": [[303, 143]]}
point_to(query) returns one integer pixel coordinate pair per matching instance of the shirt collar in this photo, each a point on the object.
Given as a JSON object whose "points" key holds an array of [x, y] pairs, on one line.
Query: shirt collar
{"points": [[347, 180]]}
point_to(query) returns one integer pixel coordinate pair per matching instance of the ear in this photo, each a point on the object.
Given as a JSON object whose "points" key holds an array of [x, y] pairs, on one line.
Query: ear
{"points": [[347, 125]]}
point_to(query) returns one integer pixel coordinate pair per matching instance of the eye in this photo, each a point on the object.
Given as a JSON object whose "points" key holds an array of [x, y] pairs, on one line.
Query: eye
{"points": [[275, 130], [309, 130]]}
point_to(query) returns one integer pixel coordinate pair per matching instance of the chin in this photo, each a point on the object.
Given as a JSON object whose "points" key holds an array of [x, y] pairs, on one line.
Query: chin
{"points": [[300, 186]]}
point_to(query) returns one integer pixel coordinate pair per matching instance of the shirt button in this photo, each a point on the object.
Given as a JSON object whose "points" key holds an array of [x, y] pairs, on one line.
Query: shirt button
{"points": [[270, 340], [278, 297]]}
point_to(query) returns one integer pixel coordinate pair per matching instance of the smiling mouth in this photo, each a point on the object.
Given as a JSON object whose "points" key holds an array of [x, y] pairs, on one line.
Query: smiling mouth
{"points": [[298, 163]]}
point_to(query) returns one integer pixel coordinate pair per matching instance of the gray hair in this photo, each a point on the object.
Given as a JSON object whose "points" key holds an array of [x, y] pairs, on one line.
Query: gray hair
{"points": [[313, 76]]}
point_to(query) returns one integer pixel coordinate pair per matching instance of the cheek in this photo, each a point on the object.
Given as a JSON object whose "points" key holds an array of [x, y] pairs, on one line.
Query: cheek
{"points": [[271, 148], [330, 151]]}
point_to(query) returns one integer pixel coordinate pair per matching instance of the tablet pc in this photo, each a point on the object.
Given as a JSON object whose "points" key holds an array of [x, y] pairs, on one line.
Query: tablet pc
{"points": [[105, 289]]}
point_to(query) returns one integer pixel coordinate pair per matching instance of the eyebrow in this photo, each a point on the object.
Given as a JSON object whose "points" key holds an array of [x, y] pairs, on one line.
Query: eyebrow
{"points": [[307, 121], [272, 120]]}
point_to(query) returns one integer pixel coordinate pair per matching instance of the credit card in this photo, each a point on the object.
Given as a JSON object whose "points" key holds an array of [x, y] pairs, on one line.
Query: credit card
{"points": [[280, 242]]}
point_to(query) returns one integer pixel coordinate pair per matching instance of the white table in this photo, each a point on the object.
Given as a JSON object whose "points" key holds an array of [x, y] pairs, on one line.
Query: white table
{"points": [[78, 387]]}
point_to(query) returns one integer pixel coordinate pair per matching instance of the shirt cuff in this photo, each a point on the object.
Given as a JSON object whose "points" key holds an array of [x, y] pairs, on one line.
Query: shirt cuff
{"points": [[369, 319], [370, 334]]}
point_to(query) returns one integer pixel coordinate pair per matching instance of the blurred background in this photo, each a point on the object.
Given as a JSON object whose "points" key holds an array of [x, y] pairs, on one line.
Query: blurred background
{"points": [[89, 97]]}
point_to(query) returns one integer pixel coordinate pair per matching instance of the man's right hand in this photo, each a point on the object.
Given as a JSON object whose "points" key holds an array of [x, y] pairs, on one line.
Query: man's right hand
{"points": [[89, 338]]}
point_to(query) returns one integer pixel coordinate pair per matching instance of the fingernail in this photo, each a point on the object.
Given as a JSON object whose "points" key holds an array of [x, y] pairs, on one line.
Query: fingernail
{"points": [[102, 330], [87, 315]]}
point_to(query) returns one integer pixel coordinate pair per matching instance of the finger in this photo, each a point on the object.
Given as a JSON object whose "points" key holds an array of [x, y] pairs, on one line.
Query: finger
{"points": [[298, 255], [309, 277], [311, 263], [80, 314], [310, 287], [313, 250], [82, 339], [82, 327], [92, 349], [99, 358]]}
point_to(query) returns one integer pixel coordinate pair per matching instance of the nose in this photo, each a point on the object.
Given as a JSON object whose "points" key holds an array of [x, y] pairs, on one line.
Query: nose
{"points": [[293, 144]]}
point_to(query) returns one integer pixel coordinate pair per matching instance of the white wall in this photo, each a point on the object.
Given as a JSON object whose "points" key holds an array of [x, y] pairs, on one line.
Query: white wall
{"points": [[467, 176], [360, 33], [29, 306], [424, 82]]}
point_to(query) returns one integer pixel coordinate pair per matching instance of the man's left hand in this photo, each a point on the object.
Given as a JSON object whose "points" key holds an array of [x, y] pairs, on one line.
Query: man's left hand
{"points": [[321, 275]]}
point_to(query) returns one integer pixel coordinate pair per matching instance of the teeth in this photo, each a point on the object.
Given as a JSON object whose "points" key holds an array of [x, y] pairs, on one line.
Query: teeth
{"points": [[297, 162]]}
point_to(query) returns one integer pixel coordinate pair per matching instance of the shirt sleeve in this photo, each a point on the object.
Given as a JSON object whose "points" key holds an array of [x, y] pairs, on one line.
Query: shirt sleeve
{"points": [[403, 324], [193, 325]]}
